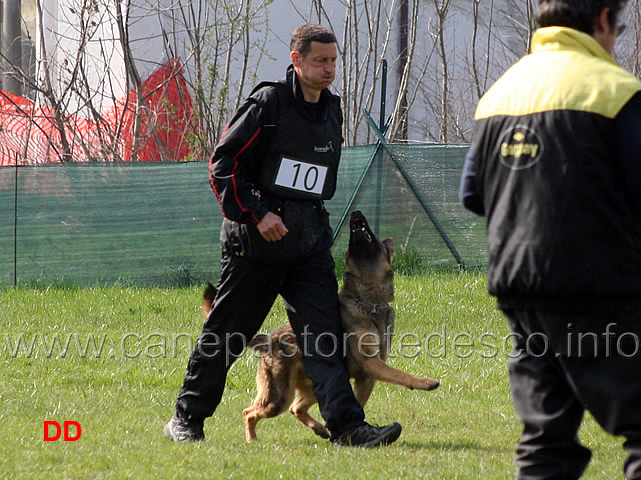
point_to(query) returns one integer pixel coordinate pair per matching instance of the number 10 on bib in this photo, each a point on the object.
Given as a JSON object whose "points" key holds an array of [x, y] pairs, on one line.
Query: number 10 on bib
{"points": [[301, 176]]}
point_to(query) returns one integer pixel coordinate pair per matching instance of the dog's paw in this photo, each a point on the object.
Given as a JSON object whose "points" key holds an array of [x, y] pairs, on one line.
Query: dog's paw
{"points": [[321, 432], [427, 384]]}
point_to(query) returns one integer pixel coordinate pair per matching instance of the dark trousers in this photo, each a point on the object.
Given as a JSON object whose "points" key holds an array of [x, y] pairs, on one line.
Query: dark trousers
{"points": [[563, 364], [247, 290]]}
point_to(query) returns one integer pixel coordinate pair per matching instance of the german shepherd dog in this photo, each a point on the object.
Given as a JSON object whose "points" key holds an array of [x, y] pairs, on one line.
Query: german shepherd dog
{"points": [[368, 322]]}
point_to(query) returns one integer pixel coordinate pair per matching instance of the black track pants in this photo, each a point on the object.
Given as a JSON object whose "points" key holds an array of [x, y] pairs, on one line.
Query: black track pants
{"points": [[247, 290], [563, 364]]}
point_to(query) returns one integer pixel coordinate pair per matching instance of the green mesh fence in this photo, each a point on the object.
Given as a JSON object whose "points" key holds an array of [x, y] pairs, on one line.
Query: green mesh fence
{"points": [[410, 193], [103, 223], [158, 224]]}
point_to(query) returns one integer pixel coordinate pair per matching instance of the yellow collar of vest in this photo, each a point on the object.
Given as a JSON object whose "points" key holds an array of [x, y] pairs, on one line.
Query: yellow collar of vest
{"points": [[567, 70], [562, 38]]}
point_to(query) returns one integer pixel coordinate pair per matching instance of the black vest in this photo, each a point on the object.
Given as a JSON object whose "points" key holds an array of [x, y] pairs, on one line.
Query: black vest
{"points": [[301, 147]]}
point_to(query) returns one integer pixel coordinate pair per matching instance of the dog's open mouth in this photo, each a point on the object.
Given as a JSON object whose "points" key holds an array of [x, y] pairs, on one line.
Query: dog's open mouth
{"points": [[362, 241], [359, 226]]}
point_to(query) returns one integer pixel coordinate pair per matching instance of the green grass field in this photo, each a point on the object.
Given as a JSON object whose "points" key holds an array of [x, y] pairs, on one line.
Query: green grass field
{"points": [[112, 359]]}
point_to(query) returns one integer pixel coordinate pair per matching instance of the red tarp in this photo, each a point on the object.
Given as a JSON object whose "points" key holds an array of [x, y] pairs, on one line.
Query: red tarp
{"points": [[29, 134]]}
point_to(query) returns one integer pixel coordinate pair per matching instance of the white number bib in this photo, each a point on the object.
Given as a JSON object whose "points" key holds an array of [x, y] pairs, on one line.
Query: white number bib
{"points": [[301, 176]]}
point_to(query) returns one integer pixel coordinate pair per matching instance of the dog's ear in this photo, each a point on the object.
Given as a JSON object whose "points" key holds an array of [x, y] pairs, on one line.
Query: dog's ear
{"points": [[389, 246]]}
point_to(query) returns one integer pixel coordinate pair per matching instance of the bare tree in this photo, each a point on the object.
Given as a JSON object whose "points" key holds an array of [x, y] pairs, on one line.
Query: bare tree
{"points": [[403, 60], [480, 80], [628, 47], [442, 8], [517, 26], [75, 82], [443, 55], [225, 45]]}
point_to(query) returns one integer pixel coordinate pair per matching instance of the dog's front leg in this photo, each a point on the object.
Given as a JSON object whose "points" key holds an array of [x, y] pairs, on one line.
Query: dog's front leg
{"points": [[378, 369], [304, 400], [367, 358]]}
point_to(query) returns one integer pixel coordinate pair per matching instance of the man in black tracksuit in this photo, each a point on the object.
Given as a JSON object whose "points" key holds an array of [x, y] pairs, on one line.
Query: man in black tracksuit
{"points": [[555, 166], [275, 164]]}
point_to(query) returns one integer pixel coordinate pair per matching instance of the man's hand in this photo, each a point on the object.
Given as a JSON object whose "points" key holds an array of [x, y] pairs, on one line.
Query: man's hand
{"points": [[271, 227]]}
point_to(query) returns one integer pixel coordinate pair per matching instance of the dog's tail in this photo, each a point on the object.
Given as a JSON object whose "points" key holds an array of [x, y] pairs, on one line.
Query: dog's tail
{"points": [[208, 299]]}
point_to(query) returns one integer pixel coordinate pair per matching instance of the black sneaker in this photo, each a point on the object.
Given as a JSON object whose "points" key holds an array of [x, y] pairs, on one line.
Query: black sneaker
{"points": [[180, 430], [368, 436]]}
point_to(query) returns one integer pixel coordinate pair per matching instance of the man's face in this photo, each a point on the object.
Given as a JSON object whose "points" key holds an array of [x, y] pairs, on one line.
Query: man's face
{"points": [[317, 69]]}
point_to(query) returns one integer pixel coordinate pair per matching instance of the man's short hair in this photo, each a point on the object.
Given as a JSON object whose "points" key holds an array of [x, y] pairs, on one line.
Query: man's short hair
{"points": [[578, 14], [304, 35]]}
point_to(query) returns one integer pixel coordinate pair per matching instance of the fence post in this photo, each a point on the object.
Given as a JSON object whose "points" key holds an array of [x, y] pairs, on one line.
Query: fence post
{"points": [[383, 129], [15, 227]]}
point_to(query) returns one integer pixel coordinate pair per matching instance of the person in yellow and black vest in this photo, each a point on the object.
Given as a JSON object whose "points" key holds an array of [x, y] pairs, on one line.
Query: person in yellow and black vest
{"points": [[555, 166], [276, 163]]}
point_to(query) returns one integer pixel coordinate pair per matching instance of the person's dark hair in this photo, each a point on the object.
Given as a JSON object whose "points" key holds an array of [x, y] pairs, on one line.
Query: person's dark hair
{"points": [[304, 35], [578, 14]]}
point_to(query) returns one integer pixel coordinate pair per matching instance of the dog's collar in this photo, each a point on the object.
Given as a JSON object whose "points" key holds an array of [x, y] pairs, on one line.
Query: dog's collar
{"points": [[372, 307]]}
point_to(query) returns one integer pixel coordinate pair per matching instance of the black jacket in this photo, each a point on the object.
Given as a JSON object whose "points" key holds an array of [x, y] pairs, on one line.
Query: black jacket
{"points": [[563, 231], [280, 154]]}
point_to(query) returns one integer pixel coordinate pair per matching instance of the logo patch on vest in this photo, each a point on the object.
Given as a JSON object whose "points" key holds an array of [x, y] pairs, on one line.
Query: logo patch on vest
{"points": [[520, 148], [327, 148]]}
